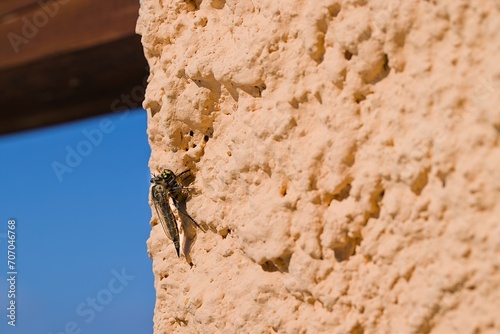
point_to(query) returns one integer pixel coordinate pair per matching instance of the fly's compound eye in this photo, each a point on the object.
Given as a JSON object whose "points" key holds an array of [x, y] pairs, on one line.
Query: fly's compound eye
{"points": [[166, 173]]}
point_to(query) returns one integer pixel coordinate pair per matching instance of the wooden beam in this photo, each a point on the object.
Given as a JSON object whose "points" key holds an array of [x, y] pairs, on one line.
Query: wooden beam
{"points": [[85, 83], [61, 60], [40, 28]]}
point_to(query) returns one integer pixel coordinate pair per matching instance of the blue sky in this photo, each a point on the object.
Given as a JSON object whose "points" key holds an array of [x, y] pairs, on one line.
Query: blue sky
{"points": [[81, 227]]}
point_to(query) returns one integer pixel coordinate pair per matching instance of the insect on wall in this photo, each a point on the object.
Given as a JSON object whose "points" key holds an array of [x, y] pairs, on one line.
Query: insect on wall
{"points": [[170, 187]]}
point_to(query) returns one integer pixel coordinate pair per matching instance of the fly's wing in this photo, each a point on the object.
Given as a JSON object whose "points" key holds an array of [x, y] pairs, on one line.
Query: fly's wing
{"points": [[165, 215], [181, 208], [184, 177]]}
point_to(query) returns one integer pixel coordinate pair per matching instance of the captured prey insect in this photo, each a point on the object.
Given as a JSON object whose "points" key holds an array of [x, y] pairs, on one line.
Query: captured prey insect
{"points": [[165, 186]]}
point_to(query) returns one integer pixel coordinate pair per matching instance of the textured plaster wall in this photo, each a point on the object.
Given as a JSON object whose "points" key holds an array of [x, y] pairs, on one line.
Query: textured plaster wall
{"points": [[346, 158]]}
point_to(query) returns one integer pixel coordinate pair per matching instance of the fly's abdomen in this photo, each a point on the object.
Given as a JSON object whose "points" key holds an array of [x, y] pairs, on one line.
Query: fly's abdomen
{"points": [[165, 215]]}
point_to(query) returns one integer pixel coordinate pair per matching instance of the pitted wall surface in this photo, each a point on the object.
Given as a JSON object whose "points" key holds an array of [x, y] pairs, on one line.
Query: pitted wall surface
{"points": [[346, 164]]}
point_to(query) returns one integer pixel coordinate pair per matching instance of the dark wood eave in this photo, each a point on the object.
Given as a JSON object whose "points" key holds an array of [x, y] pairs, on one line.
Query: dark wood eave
{"points": [[84, 61]]}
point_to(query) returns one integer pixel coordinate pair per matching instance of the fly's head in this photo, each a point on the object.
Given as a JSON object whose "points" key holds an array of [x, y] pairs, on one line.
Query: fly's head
{"points": [[168, 176], [167, 179]]}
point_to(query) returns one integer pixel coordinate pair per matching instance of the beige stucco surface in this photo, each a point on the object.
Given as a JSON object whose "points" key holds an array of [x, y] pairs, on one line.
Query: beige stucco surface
{"points": [[346, 158]]}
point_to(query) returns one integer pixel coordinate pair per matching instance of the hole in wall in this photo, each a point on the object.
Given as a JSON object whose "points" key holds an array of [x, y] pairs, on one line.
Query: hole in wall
{"points": [[381, 196], [218, 4], [344, 193], [269, 267], [420, 182], [209, 132], [442, 177], [280, 264], [193, 4], [225, 232], [344, 252], [154, 107], [383, 72], [283, 190], [334, 10], [376, 201], [358, 329], [358, 97]]}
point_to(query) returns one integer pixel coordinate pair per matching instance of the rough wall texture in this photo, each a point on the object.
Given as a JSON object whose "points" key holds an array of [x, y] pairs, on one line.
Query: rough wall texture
{"points": [[346, 156]]}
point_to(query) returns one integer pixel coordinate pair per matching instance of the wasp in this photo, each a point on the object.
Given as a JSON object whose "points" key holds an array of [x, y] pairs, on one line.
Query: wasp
{"points": [[167, 186]]}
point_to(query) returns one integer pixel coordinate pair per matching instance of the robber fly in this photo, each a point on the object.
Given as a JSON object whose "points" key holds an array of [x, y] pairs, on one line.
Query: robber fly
{"points": [[165, 186]]}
